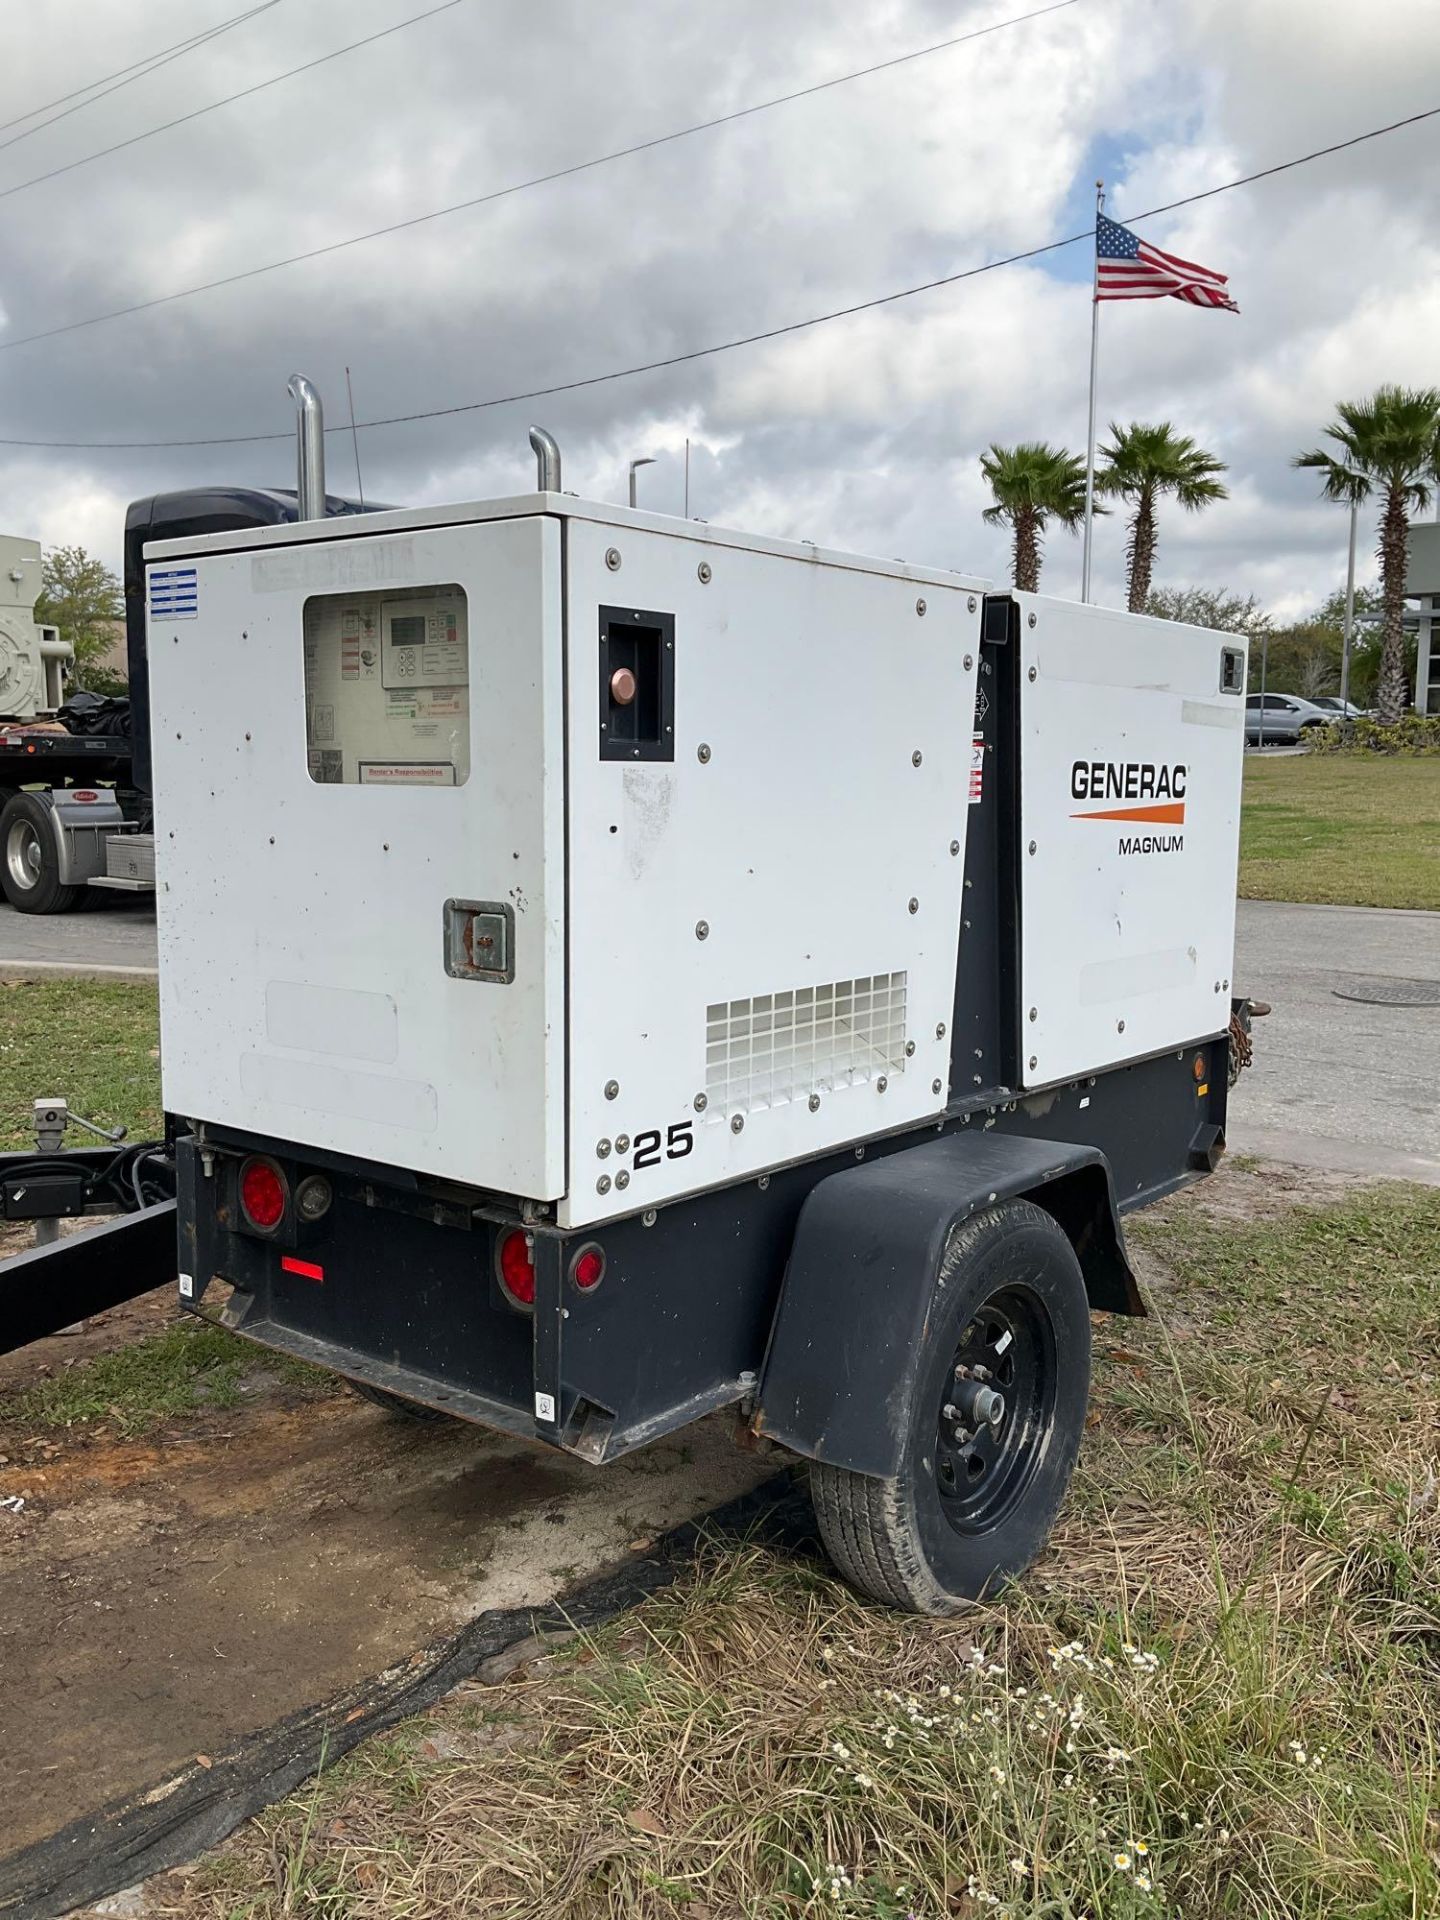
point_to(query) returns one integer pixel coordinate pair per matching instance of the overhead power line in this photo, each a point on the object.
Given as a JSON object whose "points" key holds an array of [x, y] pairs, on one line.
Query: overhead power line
{"points": [[198, 113], [110, 83], [518, 186], [749, 339]]}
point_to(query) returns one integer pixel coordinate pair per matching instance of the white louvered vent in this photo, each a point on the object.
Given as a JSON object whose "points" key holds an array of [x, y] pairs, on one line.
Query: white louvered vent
{"points": [[780, 1047]]}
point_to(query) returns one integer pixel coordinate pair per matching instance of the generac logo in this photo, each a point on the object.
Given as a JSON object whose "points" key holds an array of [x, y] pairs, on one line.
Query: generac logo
{"points": [[1159, 788]]}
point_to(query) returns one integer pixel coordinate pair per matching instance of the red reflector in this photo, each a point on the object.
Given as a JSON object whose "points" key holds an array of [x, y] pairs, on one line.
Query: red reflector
{"points": [[262, 1194], [306, 1269], [589, 1269], [517, 1268]]}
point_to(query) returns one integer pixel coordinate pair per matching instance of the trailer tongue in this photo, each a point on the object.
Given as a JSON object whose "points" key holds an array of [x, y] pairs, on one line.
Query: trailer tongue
{"points": [[613, 969]]}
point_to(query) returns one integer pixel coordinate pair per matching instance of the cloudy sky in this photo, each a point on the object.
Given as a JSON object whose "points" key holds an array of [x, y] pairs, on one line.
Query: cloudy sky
{"points": [[863, 433]]}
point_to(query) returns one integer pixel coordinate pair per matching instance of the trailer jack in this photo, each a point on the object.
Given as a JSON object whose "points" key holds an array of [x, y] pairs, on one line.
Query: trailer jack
{"points": [[61, 1279]]}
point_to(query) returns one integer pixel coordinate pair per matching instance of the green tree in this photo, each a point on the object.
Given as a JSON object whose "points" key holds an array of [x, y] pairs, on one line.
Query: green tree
{"points": [[82, 597], [1143, 463], [1212, 607], [1033, 484], [1387, 445]]}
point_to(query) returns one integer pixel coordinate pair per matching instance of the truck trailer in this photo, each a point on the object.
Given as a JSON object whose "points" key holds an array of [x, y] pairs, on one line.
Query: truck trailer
{"points": [[614, 969], [77, 814]]}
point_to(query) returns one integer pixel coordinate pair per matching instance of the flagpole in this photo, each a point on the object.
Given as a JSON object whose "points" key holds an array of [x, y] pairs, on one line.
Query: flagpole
{"points": [[1094, 357]]}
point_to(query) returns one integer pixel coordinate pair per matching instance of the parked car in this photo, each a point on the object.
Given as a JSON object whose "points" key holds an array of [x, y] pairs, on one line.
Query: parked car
{"points": [[1333, 704], [1281, 718]]}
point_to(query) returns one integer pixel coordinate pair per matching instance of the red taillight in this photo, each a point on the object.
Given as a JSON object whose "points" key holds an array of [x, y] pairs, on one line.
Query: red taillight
{"points": [[587, 1269], [263, 1194], [517, 1268]]}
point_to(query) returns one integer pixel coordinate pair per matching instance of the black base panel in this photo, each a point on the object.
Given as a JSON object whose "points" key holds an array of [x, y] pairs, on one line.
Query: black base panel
{"points": [[154, 1829], [686, 1305], [48, 1288]]}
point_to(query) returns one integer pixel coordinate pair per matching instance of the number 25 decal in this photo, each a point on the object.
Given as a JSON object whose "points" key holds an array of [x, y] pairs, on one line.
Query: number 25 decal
{"points": [[679, 1140]]}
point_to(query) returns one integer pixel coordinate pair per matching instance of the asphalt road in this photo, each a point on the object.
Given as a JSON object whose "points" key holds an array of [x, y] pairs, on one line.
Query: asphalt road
{"points": [[116, 932], [1335, 1082]]}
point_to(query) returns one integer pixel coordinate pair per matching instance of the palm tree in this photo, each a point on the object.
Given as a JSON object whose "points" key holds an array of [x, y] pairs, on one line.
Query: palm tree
{"points": [[1033, 484], [1142, 463], [1390, 445]]}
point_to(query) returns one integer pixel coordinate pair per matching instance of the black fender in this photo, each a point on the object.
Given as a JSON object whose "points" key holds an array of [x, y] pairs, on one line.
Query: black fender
{"points": [[864, 1266]]}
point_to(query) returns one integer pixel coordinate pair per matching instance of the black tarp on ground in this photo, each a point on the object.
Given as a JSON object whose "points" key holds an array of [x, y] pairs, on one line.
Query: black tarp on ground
{"points": [[175, 1820]]}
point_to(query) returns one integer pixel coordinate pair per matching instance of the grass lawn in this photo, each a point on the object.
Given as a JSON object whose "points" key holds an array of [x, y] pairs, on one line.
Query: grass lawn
{"points": [[1219, 1693], [1358, 831], [91, 1044]]}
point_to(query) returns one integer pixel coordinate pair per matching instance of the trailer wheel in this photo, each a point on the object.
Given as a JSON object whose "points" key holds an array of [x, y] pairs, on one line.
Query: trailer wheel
{"points": [[397, 1404], [29, 865], [1000, 1386]]}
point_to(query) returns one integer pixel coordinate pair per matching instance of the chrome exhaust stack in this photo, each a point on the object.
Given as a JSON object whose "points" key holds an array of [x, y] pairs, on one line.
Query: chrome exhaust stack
{"points": [[309, 448], [547, 460]]}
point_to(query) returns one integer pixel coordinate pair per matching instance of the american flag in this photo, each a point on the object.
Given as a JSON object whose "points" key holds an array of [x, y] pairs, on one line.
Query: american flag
{"points": [[1129, 268]]}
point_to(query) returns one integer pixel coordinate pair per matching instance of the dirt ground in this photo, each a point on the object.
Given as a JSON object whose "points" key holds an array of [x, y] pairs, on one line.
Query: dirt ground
{"points": [[164, 1595]]}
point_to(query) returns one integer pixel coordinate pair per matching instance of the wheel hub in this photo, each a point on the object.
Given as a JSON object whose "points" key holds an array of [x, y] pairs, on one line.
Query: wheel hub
{"points": [[23, 856], [997, 1411]]}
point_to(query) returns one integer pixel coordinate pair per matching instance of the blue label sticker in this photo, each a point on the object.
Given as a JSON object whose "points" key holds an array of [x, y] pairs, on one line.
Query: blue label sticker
{"points": [[174, 593]]}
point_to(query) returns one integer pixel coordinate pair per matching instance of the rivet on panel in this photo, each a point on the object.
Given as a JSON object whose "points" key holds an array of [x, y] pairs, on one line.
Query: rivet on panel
{"points": [[737, 1123], [602, 1185], [968, 661], [602, 1149], [702, 929], [622, 1179], [622, 1143], [763, 1182], [612, 560], [700, 1102], [1032, 846], [1034, 1013], [1034, 1062], [971, 604], [612, 1089], [1032, 673], [909, 1049], [702, 754], [881, 1084], [703, 573], [814, 1103], [914, 904], [934, 1086], [916, 758], [954, 848], [1030, 621], [1119, 1026], [920, 608], [940, 1031], [647, 1219]]}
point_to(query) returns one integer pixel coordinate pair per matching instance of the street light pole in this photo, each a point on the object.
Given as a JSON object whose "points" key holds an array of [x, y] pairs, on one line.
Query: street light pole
{"points": [[1349, 622]]}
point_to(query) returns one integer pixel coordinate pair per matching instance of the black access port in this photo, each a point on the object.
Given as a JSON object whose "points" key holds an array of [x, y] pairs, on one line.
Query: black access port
{"points": [[637, 684]]}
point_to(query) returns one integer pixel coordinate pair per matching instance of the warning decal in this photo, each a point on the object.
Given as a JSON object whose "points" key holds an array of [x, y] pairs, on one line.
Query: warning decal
{"points": [[977, 768]]}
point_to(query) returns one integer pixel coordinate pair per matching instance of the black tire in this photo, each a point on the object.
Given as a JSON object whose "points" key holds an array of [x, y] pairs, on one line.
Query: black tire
{"points": [[910, 1541], [29, 865], [398, 1405]]}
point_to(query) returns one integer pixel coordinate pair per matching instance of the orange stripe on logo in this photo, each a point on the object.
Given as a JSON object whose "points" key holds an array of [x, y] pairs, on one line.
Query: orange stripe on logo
{"points": [[1172, 814]]}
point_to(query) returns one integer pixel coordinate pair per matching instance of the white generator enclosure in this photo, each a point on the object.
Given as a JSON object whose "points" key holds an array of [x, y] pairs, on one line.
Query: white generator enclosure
{"points": [[32, 657], [1131, 748], [594, 859]]}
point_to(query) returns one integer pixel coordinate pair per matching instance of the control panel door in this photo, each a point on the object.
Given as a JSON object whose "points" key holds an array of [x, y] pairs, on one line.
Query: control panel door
{"points": [[361, 854]]}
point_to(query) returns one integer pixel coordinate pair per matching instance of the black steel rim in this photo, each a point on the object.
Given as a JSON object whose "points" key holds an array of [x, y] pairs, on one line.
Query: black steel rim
{"points": [[982, 1469]]}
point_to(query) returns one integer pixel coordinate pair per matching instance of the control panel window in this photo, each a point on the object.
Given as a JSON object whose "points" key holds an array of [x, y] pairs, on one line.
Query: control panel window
{"points": [[387, 688]]}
